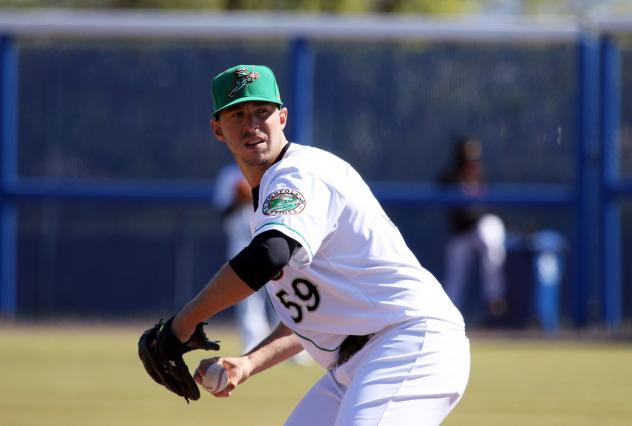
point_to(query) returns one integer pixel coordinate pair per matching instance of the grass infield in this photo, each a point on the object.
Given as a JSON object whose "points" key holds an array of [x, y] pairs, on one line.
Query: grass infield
{"points": [[90, 375]]}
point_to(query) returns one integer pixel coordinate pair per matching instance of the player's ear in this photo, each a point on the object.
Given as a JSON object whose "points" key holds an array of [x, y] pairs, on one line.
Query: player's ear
{"points": [[217, 130], [283, 117]]}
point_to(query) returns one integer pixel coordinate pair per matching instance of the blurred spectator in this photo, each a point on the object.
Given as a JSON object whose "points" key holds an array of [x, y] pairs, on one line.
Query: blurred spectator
{"points": [[233, 198], [474, 232]]}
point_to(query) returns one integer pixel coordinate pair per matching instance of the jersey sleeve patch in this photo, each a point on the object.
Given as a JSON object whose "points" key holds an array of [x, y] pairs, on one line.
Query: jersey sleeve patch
{"points": [[282, 202]]}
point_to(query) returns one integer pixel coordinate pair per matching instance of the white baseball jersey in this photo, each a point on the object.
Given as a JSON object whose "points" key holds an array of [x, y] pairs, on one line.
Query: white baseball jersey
{"points": [[354, 274]]}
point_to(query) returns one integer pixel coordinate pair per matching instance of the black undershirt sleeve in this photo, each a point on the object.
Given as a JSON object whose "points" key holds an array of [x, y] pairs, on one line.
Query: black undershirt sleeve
{"points": [[264, 258]]}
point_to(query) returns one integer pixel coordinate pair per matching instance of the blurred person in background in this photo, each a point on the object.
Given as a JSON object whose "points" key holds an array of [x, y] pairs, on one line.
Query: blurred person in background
{"points": [[474, 232], [233, 199]]}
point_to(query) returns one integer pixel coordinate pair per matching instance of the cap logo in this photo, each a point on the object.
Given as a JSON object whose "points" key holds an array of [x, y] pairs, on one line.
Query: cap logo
{"points": [[283, 202], [242, 79]]}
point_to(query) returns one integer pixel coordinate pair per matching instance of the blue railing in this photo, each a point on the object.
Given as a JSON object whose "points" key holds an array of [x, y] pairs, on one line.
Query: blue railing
{"points": [[594, 196]]}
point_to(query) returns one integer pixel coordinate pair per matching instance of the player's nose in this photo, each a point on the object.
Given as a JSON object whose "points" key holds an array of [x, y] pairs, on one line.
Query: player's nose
{"points": [[252, 122]]}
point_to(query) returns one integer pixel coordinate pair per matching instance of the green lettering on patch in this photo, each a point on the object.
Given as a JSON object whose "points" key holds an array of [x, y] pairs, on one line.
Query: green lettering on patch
{"points": [[283, 202]]}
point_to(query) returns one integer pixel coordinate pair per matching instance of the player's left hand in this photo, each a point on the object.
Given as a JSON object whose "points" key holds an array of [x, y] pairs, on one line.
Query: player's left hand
{"points": [[161, 353]]}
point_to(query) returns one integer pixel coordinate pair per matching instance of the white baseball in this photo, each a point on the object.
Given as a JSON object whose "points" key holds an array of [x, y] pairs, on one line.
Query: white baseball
{"points": [[215, 378]]}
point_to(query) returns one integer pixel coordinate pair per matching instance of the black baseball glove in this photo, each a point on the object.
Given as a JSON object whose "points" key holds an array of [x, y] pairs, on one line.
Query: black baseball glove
{"points": [[161, 353]]}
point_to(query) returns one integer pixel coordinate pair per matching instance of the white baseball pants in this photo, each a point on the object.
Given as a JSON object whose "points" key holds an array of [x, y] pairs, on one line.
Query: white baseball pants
{"points": [[487, 241], [410, 374]]}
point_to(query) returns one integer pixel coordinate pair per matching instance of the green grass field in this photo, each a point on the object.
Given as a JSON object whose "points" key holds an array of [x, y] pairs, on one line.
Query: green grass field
{"points": [[71, 375]]}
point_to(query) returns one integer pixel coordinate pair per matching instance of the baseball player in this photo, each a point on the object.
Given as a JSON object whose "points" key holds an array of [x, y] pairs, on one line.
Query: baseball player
{"points": [[474, 232], [344, 284]]}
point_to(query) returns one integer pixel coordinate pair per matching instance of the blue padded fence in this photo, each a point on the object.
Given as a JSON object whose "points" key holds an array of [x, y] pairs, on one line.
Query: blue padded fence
{"points": [[108, 163]]}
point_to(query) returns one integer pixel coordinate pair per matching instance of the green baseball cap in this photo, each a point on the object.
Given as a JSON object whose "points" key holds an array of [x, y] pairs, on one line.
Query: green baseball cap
{"points": [[244, 83]]}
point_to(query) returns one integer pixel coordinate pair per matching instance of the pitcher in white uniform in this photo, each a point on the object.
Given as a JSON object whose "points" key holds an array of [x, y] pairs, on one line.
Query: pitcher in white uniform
{"points": [[341, 279]]}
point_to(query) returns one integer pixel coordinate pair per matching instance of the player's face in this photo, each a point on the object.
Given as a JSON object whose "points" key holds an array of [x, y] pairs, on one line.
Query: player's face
{"points": [[253, 132]]}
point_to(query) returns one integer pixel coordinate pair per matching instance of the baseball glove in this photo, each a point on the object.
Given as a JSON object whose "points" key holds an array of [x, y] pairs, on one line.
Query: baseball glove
{"points": [[161, 353]]}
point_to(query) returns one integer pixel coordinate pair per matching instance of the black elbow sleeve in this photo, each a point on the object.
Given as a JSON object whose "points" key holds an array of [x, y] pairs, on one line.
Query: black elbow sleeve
{"points": [[265, 257]]}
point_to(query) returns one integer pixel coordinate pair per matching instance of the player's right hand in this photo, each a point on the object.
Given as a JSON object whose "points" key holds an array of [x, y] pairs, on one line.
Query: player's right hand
{"points": [[238, 369]]}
